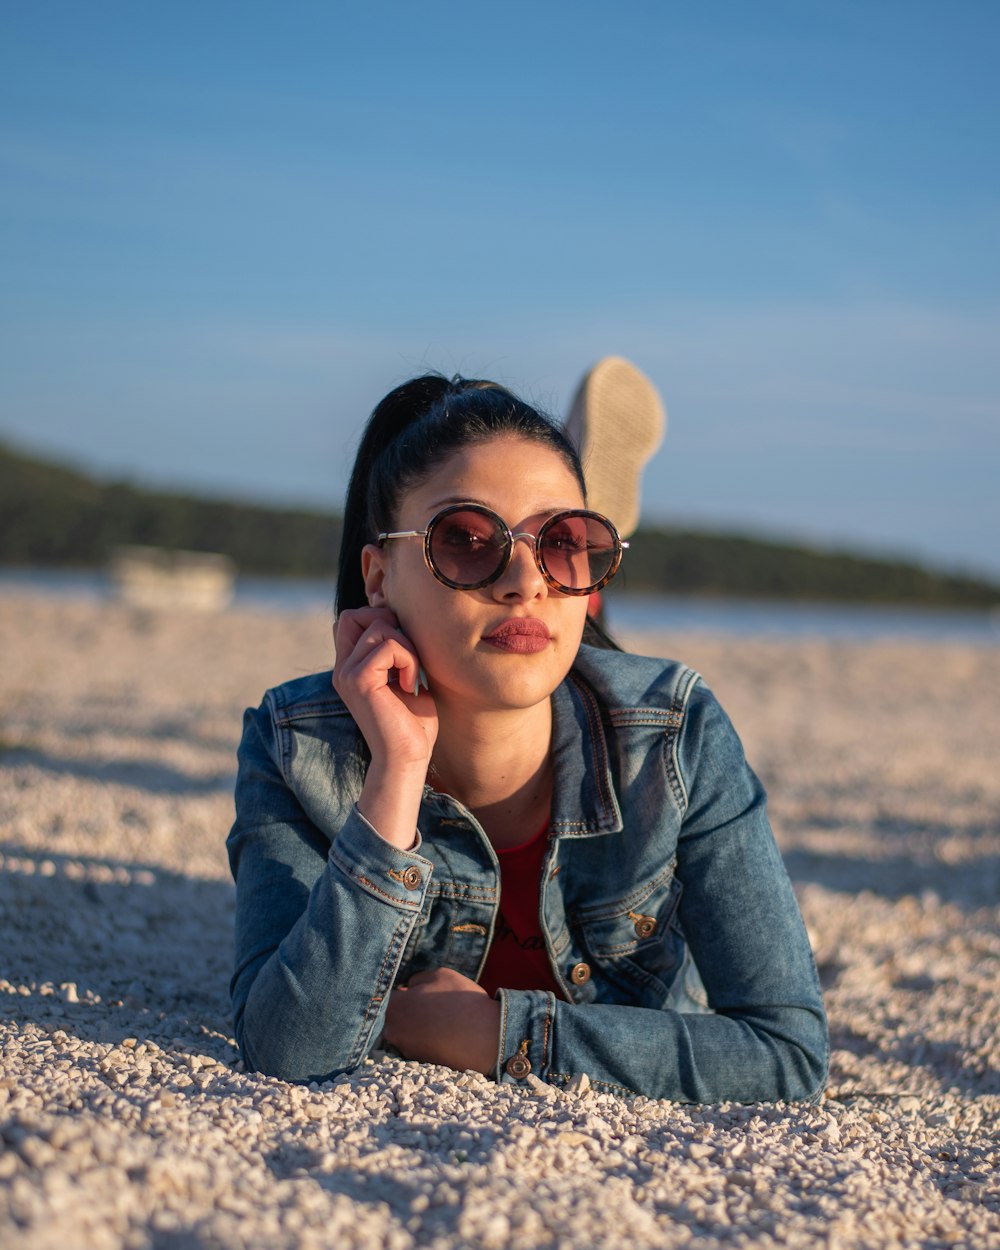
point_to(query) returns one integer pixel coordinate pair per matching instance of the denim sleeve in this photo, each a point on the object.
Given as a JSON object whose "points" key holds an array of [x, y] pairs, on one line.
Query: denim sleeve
{"points": [[765, 1037], [322, 918]]}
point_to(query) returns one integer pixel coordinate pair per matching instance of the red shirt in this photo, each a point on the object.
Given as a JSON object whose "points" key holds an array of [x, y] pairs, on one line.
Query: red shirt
{"points": [[517, 959]]}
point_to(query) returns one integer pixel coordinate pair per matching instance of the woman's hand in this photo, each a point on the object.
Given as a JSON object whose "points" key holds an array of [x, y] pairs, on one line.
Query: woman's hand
{"points": [[443, 1017], [376, 672]]}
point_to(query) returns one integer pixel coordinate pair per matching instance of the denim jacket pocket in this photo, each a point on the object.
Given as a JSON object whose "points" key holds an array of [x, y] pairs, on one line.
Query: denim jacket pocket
{"points": [[449, 933], [636, 942]]}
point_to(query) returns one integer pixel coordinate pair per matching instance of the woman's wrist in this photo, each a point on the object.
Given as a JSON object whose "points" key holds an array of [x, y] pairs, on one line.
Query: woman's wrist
{"points": [[390, 802]]}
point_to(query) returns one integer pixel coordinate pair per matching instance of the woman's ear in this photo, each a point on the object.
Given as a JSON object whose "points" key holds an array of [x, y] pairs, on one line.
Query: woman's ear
{"points": [[373, 570]]}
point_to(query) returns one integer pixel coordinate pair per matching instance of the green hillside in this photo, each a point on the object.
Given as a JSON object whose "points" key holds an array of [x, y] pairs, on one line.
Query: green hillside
{"points": [[734, 564], [55, 516], [52, 515]]}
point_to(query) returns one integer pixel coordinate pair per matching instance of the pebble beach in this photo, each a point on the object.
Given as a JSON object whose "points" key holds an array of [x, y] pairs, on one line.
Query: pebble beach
{"points": [[126, 1119]]}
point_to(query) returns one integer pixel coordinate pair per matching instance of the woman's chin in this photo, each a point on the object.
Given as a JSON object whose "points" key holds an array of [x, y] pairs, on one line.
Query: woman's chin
{"points": [[506, 681]]}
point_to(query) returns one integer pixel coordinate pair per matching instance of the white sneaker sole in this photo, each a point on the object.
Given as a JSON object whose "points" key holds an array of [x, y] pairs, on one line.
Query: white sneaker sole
{"points": [[616, 421]]}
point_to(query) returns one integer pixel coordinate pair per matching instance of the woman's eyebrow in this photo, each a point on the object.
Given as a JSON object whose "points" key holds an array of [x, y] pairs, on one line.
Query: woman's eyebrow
{"points": [[443, 503]]}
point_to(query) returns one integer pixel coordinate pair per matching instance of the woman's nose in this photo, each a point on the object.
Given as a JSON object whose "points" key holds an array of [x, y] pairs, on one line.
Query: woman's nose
{"points": [[522, 576]]}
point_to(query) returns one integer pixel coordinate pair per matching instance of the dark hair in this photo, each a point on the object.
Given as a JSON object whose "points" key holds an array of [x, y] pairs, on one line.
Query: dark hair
{"points": [[413, 429]]}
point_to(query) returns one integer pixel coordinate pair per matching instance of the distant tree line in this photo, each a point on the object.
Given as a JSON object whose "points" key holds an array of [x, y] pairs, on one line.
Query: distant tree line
{"points": [[733, 564], [55, 516]]}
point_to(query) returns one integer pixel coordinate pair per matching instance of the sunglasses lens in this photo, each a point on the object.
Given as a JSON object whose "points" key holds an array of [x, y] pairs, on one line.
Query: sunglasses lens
{"points": [[466, 547], [578, 552]]}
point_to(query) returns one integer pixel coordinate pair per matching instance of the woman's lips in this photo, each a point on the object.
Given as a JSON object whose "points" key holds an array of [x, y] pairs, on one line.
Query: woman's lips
{"points": [[522, 634]]}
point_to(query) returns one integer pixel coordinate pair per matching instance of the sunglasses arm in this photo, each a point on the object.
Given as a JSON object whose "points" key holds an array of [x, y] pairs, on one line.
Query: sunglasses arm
{"points": [[408, 534]]}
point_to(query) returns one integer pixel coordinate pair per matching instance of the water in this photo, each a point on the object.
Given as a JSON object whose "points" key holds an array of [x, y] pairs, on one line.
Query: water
{"points": [[767, 618], [781, 618]]}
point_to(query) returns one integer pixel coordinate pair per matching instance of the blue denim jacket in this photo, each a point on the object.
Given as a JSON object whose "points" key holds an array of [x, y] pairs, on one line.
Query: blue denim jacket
{"points": [[660, 852]]}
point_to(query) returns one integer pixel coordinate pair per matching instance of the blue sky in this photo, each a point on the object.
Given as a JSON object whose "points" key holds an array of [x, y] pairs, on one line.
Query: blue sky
{"points": [[226, 229]]}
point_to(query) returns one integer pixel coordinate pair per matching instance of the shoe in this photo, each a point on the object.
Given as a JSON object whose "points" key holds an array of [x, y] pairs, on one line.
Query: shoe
{"points": [[616, 422]]}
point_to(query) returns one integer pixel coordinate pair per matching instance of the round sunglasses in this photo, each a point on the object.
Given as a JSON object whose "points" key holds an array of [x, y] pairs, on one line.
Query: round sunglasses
{"points": [[467, 546]]}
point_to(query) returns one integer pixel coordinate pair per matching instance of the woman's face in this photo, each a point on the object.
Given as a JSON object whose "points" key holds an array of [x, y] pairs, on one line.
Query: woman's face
{"points": [[464, 639]]}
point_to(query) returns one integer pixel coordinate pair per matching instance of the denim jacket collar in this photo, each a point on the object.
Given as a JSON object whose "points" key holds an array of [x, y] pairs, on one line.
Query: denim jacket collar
{"points": [[583, 800]]}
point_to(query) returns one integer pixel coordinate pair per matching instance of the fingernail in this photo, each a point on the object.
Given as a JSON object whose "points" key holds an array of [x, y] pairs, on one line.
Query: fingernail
{"points": [[416, 685], [422, 677]]}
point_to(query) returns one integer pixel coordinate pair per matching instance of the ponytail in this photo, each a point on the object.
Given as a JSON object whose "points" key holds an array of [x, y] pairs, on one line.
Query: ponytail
{"points": [[401, 408]]}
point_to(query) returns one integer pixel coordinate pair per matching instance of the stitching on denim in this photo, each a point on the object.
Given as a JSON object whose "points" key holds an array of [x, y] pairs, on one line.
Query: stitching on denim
{"points": [[669, 769], [682, 694], [284, 744], [292, 718], [502, 1048], [363, 880], [310, 711], [374, 1003], [621, 906], [641, 716], [597, 735], [597, 731], [545, 1031], [565, 1076], [626, 949], [385, 894], [620, 1089], [465, 893], [671, 734], [469, 928], [371, 1011]]}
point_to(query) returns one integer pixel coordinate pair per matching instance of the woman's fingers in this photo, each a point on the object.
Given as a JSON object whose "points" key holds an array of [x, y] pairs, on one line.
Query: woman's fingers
{"points": [[375, 659], [353, 622], [351, 626], [369, 642]]}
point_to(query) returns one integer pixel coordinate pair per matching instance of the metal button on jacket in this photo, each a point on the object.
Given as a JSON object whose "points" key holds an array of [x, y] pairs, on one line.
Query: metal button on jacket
{"points": [[519, 1065], [411, 878], [645, 926], [580, 974]]}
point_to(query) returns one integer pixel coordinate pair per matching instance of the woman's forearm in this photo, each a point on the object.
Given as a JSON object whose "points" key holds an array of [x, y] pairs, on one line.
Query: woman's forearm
{"points": [[776, 1052], [316, 964]]}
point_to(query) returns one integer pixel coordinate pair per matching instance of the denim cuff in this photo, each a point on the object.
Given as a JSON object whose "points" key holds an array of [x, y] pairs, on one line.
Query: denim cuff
{"points": [[526, 1023], [366, 858]]}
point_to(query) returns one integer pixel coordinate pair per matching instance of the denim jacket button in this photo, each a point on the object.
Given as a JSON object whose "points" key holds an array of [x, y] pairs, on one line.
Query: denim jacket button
{"points": [[518, 1066], [580, 974], [411, 878], [645, 926]]}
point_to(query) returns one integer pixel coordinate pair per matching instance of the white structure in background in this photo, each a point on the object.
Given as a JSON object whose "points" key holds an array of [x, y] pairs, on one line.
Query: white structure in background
{"points": [[150, 577]]}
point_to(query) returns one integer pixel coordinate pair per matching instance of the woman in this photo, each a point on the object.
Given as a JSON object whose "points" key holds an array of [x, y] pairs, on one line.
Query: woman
{"points": [[490, 844]]}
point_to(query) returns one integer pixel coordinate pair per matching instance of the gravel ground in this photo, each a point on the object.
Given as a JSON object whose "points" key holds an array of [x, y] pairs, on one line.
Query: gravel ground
{"points": [[125, 1120]]}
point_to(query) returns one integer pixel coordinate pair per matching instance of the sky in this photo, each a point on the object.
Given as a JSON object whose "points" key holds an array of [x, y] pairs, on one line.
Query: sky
{"points": [[227, 229]]}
